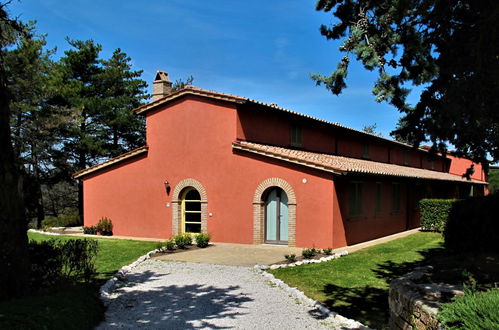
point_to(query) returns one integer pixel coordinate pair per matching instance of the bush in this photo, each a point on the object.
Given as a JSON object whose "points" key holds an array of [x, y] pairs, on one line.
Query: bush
{"points": [[46, 263], [54, 260], [62, 221], [290, 257], [78, 258], [170, 245], [90, 230], [308, 253], [105, 227], [182, 240], [473, 225], [474, 310], [328, 251], [202, 239], [434, 213]]}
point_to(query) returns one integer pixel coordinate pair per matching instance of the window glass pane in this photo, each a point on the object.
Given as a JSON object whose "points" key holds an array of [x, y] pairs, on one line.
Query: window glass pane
{"points": [[192, 217], [193, 195], [295, 135], [365, 152], [193, 227], [193, 206], [356, 199]]}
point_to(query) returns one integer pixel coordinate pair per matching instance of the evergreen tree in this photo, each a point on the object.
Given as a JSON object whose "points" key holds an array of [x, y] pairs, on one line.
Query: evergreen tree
{"points": [[101, 95], [449, 48], [14, 260]]}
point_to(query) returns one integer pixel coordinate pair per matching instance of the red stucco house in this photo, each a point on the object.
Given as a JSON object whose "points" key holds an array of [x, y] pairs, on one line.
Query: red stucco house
{"points": [[255, 173]]}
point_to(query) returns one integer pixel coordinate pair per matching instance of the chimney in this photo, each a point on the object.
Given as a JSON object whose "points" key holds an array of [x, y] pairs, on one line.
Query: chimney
{"points": [[162, 86]]}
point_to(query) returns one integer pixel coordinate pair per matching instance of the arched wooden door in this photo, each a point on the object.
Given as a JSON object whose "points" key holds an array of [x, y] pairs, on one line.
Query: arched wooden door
{"points": [[276, 217]]}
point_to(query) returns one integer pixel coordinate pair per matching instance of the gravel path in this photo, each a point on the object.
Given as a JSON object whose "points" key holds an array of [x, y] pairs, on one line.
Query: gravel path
{"points": [[182, 295]]}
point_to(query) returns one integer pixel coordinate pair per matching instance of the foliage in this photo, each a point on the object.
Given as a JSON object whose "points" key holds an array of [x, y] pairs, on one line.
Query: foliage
{"points": [[434, 213], [202, 239], [308, 253], [170, 245], [415, 43], [180, 83], [73, 306], [62, 221], [327, 251], [105, 226], [78, 258], [473, 225], [182, 240], [90, 230], [353, 285], [494, 180], [290, 257], [14, 266], [53, 260], [474, 310], [371, 129]]}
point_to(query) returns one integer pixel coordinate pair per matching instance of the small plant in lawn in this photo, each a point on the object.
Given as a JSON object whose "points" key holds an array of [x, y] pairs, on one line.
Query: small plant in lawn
{"points": [[182, 240], [105, 227], [308, 253], [46, 228], [327, 251], [202, 239], [90, 230], [290, 257]]}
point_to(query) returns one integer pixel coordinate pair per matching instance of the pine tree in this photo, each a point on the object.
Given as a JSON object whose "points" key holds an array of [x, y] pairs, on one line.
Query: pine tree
{"points": [[449, 48], [14, 260]]}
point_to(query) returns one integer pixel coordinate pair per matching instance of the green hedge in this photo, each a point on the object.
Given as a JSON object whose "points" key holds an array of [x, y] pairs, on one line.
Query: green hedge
{"points": [[62, 221], [473, 225], [434, 213]]}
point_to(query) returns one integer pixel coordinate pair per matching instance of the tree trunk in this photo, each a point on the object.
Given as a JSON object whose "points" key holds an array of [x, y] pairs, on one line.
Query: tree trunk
{"points": [[14, 259]]}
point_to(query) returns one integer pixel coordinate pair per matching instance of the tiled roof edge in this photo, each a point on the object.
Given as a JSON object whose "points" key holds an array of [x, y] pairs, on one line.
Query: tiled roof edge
{"points": [[110, 162], [333, 170]]}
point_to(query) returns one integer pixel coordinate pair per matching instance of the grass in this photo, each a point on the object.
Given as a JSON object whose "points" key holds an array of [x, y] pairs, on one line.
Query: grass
{"points": [[75, 306], [356, 286]]}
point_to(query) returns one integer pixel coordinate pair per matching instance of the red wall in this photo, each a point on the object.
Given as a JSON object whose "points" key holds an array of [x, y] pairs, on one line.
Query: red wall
{"points": [[193, 139]]}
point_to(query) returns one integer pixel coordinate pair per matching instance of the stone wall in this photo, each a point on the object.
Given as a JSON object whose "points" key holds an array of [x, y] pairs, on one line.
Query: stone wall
{"points": [[413, 304]]}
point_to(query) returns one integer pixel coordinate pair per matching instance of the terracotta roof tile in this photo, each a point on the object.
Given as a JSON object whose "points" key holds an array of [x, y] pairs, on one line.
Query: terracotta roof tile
{"points": [[344, 165]]}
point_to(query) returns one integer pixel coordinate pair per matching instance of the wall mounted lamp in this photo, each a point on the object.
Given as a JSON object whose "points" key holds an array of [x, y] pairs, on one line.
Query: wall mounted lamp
{"points": [[167, 187]]}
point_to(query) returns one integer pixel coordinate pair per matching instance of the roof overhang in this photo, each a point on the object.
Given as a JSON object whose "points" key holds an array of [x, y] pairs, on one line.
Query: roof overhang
{"points": [[112, 161]]}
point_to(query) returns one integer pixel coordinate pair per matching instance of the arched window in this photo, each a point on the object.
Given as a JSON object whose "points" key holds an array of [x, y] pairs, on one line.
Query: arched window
{"points": [[191, 211]]}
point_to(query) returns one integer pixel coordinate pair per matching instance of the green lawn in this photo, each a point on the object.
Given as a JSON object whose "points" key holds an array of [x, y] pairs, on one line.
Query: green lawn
{"points": [[75, 306], [356, 286]]}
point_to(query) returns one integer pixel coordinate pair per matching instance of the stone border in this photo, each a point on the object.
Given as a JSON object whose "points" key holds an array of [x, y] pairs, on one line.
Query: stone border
{"points": [[303, 262], [336, 319]]}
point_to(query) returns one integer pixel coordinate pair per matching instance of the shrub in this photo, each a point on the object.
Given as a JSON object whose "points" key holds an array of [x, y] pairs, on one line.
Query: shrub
{"points": [[53, 260], [328, 251], [434, 213], [308, 253], [78, 258], [90, 230], [290, 257], [182, 240], [62, 221], [46, 263], [474, 310], [170, 245], [202, 239], [105, 227], [473, 225]]}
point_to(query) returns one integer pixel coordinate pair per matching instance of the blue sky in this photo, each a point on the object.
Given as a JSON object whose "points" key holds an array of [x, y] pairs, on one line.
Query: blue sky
{"points": [[264, 50]]}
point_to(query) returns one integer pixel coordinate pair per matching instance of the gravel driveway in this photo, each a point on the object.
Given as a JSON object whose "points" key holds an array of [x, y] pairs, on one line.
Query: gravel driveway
{"points": [[183, 295]]}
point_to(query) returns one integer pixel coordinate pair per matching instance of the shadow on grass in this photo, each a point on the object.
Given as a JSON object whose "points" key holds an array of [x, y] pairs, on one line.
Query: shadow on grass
{"points": [[369, 305]]}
